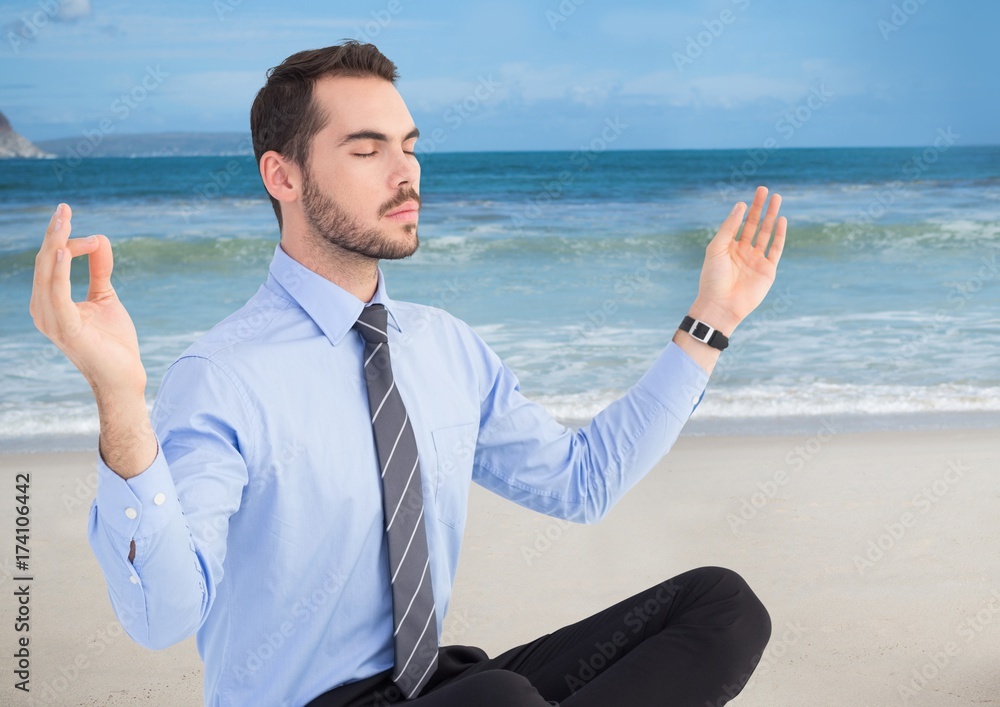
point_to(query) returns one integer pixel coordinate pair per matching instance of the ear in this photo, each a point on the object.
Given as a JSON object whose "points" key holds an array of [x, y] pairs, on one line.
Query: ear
{"points": [[282, 178]]}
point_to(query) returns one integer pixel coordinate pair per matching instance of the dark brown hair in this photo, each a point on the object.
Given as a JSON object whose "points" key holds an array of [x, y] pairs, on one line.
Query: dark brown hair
{"points": [[284, 117]]}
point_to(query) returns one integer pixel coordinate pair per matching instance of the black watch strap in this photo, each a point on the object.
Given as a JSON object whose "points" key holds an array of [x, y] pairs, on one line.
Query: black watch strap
{"points": [[704, 333]]}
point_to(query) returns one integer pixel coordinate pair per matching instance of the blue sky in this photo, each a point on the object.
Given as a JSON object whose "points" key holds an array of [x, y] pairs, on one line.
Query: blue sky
{"points": [[526, 74]]}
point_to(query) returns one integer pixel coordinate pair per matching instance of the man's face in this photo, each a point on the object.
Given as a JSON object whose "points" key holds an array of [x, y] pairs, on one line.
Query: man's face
{"points": [[362, 171]]}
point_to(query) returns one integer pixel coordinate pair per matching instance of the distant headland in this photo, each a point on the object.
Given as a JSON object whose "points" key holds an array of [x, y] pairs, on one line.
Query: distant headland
{"points": [[97, 143], [102, 143], [14, 145]]}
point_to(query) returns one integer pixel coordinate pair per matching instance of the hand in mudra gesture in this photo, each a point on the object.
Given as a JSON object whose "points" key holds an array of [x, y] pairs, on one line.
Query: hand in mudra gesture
{"points": [[737, 274], [97, 335]]}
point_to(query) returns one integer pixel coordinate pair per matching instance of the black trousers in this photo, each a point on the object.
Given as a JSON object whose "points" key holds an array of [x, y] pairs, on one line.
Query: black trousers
{"points": [[692, 640]]}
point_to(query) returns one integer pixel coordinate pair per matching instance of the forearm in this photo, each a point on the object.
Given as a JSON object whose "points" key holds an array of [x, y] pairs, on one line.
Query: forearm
{"points": [[644, 425], [158, 587], [127, 442], [525, 455]]}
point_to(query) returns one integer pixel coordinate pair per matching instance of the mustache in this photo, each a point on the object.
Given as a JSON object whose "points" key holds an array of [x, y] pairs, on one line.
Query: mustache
{"points": [[408, 194]]}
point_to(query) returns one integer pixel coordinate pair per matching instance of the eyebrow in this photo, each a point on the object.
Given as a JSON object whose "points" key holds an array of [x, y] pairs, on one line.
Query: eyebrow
{"points": [[375, 135]]}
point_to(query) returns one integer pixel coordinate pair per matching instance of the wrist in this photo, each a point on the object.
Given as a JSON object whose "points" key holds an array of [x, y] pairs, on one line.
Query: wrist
{"points": [[713, 315], [118, 390], [126, 442]]}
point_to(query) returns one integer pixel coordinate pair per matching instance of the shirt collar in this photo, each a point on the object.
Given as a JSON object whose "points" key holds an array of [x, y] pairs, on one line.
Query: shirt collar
{"points": [[333, 308]]}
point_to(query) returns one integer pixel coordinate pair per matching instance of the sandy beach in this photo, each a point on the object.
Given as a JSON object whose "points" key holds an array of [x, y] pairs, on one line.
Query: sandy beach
{"points": [[874, 552]]}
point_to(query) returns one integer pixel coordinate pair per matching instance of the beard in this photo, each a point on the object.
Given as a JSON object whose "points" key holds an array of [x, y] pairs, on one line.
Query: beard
{"points": [[330, 223]]}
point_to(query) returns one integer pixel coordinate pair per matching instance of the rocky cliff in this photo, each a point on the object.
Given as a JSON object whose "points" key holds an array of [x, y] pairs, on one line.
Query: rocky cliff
{"points": [[13, 145]]}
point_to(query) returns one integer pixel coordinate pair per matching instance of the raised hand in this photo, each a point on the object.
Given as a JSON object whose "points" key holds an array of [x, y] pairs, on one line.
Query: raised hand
{"points": [[98, 336], [737, 274]]}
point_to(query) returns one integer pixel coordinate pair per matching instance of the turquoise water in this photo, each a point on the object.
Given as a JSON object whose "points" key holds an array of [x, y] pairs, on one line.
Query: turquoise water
{"points": [[576, 268]]}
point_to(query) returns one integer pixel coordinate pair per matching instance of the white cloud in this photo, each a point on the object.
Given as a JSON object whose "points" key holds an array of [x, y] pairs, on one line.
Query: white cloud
{"points": [[525, 83], [720, 91], [73, 9], [518, 82], [226, 90], [438, 92]]}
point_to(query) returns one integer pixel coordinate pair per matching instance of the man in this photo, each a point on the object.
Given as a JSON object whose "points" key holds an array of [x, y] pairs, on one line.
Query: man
{"points": [[299, 494]]}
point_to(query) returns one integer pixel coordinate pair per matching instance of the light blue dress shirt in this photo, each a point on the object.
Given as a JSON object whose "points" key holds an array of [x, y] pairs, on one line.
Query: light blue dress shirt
{"points": [[259, 523]]}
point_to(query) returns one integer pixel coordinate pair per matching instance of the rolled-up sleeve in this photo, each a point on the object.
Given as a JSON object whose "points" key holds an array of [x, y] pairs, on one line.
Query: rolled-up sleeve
{"points": [[524, 454], [177, 510]]}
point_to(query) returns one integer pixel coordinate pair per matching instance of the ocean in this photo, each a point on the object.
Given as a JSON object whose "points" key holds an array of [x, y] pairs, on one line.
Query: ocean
{"points": [[576, 267]]}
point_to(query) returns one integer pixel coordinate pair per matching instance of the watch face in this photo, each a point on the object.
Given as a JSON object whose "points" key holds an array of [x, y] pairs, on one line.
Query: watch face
{"points": [[701, 330]]}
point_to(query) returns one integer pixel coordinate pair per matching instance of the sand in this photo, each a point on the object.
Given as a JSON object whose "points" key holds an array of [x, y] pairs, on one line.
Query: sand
{"points": [[875, 553]]}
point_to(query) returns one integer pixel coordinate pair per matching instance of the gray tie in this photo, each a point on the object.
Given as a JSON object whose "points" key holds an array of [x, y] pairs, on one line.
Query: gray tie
{"points": [[413, 613]]}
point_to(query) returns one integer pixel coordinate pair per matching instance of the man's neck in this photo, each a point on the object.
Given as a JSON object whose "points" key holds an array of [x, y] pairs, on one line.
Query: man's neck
{"points": [[349, 271]]}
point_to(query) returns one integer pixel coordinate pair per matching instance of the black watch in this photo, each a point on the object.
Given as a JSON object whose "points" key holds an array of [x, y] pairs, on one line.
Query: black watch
{"points": [[704, 333]]}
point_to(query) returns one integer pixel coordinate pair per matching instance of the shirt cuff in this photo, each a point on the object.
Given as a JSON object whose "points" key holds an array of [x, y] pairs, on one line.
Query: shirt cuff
{"points": [[140, 506], [676, 380]]}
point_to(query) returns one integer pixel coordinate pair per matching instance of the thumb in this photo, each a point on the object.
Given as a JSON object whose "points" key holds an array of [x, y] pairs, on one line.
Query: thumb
{"points": [[101, 263]]}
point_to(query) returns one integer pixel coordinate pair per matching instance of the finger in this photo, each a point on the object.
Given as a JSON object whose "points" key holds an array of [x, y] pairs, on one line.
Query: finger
{"points": [[65, 315], [73, 247], [768, 225], [81, 246], [56, 233], [778, 244], [55, 238], [727, 231], [753, 217], [51, 299], [101, 264]]}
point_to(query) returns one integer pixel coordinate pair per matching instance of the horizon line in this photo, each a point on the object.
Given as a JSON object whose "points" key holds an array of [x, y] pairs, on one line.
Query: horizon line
{"points": [[515, 150]]}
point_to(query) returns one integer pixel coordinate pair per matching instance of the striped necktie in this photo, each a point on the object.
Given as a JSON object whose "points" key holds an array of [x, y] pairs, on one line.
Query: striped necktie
{"points": [[414, 619]]}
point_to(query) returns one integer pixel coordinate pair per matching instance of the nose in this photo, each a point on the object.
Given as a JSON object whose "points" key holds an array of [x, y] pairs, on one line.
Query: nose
{"points": [[405, 170]]}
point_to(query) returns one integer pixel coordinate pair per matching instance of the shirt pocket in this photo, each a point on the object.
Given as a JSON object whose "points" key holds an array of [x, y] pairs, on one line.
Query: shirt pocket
{"points": [[455, 449]]}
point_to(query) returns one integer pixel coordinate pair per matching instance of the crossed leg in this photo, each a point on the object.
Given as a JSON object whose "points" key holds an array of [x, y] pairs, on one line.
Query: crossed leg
{"points": [[693, 640]]}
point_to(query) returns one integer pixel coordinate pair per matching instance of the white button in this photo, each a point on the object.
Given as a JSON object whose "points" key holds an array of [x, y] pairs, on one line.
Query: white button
{"points": [[694, 400], [133, 579], [131, 513], [159, 498]]}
